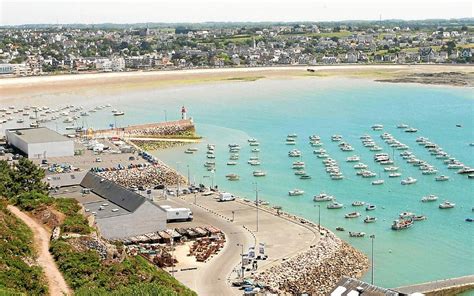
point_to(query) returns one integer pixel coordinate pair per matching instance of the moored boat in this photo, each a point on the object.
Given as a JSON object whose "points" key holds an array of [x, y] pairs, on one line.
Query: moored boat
{"points": [[335, 205], [323, 197], [429, 198], [259, 173], [358, 203], [352, 215], [447, 205], [356, 234], [295, 192], [402, 224], [369, 219]]}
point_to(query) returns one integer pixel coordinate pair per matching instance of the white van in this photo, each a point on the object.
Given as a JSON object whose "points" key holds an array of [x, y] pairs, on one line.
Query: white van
{"points": [[177, 214], [226, 196]]}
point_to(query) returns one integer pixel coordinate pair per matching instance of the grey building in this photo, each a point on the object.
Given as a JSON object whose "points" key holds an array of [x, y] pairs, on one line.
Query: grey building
{"points": [[40, 142], [121, 213]]}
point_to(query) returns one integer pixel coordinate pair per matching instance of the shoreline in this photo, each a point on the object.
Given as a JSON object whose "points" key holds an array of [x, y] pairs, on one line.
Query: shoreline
{"points": [[13, 87]]}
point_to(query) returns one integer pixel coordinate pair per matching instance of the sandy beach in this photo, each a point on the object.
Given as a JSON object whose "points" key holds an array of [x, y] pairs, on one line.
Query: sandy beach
{"points": [[11, 87]]}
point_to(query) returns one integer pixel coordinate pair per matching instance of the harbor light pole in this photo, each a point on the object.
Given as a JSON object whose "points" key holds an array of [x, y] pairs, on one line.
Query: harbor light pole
{"points": [[177, 178], [256, 200], [319, 217], [373, 238], [189, 178], [242, 260]]}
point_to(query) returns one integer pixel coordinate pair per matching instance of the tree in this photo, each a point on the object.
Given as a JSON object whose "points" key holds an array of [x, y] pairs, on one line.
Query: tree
{"points": [[26, 177]]}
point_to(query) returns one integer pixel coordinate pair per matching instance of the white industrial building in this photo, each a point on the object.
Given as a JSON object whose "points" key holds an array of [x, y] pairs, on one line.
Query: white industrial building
{"points": [[40, 142]]}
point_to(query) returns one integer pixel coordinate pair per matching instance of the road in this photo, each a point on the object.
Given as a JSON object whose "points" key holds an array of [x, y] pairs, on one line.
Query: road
{"points": [[56, 283], [213, 277]]}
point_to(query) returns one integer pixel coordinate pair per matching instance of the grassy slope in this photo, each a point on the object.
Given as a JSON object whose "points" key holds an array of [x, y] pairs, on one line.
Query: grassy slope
{"points": [[16, 276]]}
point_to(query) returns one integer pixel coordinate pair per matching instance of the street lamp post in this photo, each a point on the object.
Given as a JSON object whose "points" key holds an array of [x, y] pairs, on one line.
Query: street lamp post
{"points": [[373, 263], [177, 179], [242, 260], [195, 198], [256, 200], [189, 178], [319, 217], [233, 216]]}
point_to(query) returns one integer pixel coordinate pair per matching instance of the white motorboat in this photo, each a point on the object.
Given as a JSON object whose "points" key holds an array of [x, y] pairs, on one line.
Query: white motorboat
{"points": [[360, 166], [254, 162], [369, 219], [390, 169], [429, 198], [356, 234], [335, 205], [394, 175], [254, 143], [402, 224], [447, 205], [323, 197], [411, 130], [295, 192], [259, 173], [405, 215], [378, 182], [294, 153], [300, 173], [232, 177], [408, 181], [352, 215], [354, 158], [358, 203], [442, 178], [119, 113], [377, 127], [402, 125], [252, 140], [231, 163]]}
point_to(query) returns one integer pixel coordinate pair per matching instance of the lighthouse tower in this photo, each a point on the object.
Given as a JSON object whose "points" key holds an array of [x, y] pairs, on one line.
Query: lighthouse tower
{"points": [[183, 113]]}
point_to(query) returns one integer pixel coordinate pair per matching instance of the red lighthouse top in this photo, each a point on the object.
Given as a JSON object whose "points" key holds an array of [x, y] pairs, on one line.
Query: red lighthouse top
{"points": [[183, 110]]}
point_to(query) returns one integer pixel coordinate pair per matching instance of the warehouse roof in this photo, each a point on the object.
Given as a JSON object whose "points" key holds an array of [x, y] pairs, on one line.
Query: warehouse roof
{"points": [[38, 135], [113, 192]]}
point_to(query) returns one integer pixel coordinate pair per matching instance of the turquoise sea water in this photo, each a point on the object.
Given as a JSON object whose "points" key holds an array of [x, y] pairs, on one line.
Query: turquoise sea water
{"points": [[440, 247]]}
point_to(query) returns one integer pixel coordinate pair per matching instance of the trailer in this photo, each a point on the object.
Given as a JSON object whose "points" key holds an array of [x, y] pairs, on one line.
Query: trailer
{"points": [[177, 214]]}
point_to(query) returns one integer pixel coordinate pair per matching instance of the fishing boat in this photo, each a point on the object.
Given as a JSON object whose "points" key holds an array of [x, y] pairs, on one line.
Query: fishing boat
{"points": [[334, 205], [323, 197], [394, 175], [211, 156], [231, 163], [259, 173], [469, 220], [442, 178], [408, 181], [378, 182], [402, 224], [339, 228], [419, 218], [232, 177], [352, 215], [447, 205], [429, 198], [337, 177], [336, 138], [370, 207], [358, 203], [314, 138], [295, 192], [369, 219], [356, 234], [466, 170]]}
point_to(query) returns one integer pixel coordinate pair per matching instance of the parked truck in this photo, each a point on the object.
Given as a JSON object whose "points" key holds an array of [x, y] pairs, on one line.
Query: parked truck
{"points": [[226, 196], [177, 214]]}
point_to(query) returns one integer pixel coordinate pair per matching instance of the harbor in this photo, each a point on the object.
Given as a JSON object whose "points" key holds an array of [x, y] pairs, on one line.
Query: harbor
{"points": [[390, 198]]}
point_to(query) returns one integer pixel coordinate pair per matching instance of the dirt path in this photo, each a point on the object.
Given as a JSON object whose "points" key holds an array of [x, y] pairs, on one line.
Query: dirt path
{"points": [[56, 283]]}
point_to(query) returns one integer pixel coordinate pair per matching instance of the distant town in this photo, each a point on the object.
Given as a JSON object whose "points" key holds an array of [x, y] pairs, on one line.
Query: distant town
{"points": [[62, 49]]}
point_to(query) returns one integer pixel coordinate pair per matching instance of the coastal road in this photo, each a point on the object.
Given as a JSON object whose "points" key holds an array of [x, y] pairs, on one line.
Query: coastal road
{"points": [[211, 278], [56, 283], [283, 239]]}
